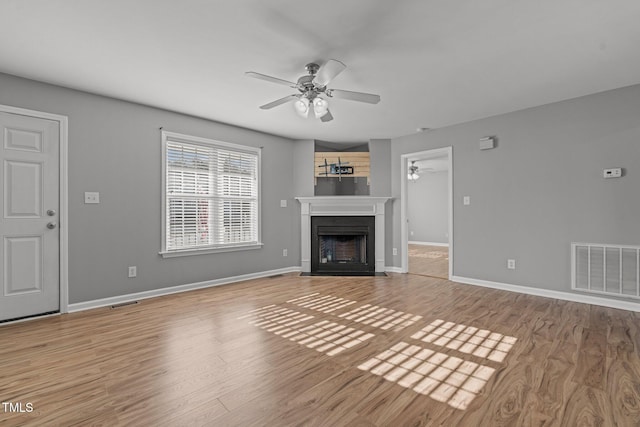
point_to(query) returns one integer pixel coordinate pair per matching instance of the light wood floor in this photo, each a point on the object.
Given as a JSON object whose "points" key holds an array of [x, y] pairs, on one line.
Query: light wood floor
{"points": [[429, 260], [328, 351]]}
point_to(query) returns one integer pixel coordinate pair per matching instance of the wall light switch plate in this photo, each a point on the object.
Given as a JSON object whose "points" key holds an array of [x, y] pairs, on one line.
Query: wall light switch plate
{"points": [[283, 203], [91, 197], [466, 200]]}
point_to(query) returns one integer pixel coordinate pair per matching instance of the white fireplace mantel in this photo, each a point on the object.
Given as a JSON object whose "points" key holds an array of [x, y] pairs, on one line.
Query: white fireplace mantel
{"points": [[341, 206]]}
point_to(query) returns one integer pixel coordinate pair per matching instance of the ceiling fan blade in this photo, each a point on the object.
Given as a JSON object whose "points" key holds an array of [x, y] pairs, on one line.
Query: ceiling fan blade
{"points": [[328, 72], [270, 79], [327, 117], [354, 96], [279, 102]]}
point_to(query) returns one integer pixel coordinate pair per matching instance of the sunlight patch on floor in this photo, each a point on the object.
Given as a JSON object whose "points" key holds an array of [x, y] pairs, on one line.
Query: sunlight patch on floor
{"points": [[326, 337], [275, 319], [442, 377], [467, 339], [323, 303], [330, 337], [380, 317]]}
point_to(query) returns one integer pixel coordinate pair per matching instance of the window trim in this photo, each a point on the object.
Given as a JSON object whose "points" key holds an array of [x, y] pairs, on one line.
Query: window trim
{"points": [[232, 247]]}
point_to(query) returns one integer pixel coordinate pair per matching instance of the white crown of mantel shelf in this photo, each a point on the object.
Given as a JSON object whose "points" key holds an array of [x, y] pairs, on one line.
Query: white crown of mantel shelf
{"points": [[342, 206]]}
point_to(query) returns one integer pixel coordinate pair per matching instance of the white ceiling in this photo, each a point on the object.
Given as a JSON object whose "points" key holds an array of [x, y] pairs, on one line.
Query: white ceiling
{"points": [[434, 63]]}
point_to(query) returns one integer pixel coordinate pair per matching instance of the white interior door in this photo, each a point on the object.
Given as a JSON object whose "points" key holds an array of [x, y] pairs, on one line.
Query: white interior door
{"points": [[30, 247]]}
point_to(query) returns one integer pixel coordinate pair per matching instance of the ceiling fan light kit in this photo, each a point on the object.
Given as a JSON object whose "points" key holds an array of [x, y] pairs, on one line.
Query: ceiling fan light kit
{"points": [[302, 106], [313, 85], [320, 107]]}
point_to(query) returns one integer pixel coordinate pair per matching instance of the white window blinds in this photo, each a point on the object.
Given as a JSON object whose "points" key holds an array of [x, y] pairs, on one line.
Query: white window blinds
{"points": [[211, 194]]}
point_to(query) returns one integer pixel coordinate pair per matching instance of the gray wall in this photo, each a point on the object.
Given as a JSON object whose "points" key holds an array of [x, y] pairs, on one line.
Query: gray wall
{"points": [[303, 163], [380, 154], [538, 191], [114, 148], [342, 186], [427, 208], [541, 188], [380, 164]]}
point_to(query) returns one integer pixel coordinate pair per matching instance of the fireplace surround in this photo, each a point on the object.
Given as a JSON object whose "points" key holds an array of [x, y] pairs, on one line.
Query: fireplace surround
{"points": [[344, 206]]}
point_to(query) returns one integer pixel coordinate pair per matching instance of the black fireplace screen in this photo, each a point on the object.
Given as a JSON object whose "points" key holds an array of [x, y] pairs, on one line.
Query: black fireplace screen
{"points": [[343, 249]]}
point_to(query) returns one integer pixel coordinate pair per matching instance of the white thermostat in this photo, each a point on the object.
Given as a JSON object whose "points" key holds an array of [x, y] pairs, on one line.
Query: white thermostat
{"points": [[612, 173]]}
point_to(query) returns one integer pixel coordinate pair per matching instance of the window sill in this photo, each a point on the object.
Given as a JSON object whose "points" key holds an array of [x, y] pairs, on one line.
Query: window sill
{"points": [[205, 251]]}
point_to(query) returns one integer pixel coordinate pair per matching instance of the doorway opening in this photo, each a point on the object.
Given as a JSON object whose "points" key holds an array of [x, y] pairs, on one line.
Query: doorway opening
{"points": [[427, 213], [428, 260]]}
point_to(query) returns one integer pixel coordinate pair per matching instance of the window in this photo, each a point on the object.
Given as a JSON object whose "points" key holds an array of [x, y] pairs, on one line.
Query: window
{"points": [[210, 196]]}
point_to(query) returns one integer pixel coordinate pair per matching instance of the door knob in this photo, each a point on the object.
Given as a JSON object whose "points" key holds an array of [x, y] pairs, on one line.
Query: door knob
{"points": [[51, 225], [51, 212]]}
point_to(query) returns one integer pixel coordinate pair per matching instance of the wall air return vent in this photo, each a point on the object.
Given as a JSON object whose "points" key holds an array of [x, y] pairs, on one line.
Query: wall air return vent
{"points": [[606, 269]]}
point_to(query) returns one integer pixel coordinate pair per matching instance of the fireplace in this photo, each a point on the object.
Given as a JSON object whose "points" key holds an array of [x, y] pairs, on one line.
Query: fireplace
{"points": [[343, 206], [343, 245]]}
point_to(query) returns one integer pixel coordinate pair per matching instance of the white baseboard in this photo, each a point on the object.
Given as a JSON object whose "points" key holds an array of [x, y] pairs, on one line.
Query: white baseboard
{"points": [[567, 296], [585, 299], [87, 305], [413, 242]]}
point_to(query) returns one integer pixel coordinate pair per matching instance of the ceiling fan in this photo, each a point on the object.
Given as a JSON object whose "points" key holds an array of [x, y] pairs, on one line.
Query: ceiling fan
{"points": [[312, 88], [413, 172]]}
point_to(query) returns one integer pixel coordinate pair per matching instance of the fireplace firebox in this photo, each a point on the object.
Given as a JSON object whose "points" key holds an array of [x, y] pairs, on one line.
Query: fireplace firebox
{"points": [[343, 245]]}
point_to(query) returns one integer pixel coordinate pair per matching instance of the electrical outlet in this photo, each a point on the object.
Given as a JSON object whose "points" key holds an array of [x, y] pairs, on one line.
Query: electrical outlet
{"points": [[511, 264], [612, 173], [395, 251], [133, 271], [285, 252]]}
